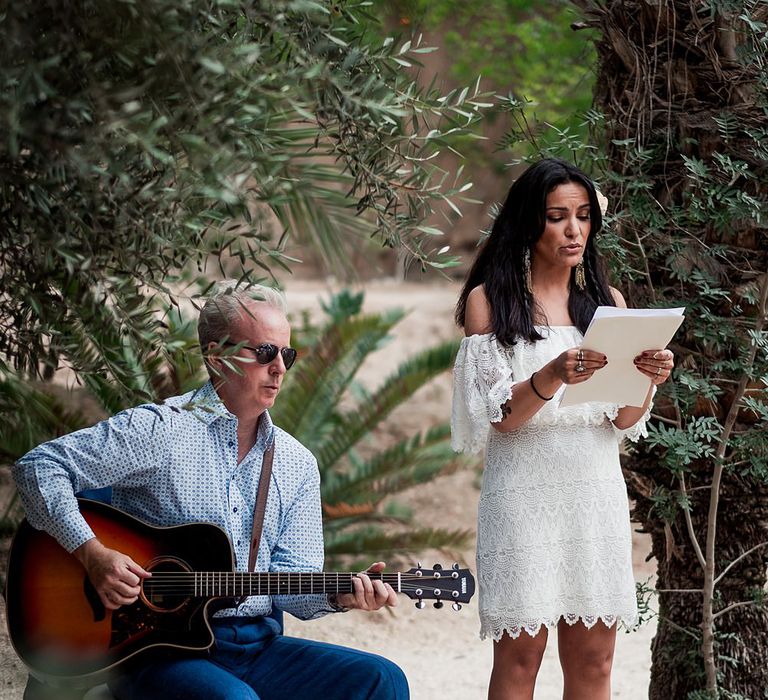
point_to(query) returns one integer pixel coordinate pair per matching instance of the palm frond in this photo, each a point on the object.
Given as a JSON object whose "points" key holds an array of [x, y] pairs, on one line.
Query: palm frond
{"points": [[30, 416], [323, 218], [411, 461], [178, 365], [398, 387], [123, 380], [11, 516], [334, 522], [311, 394], [373, 542]]}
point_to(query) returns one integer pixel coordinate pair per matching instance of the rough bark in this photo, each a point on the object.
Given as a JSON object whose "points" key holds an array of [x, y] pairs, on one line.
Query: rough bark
{"points": [[677, 667], [667, 72]]}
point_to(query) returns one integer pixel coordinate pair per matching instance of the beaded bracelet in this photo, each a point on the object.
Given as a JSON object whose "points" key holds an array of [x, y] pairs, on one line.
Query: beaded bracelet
{"points": [[536, 391]]}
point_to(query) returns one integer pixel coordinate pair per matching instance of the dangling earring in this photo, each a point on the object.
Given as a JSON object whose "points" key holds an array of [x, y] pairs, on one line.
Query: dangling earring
{"points": [[581, 280], [527, 268]]}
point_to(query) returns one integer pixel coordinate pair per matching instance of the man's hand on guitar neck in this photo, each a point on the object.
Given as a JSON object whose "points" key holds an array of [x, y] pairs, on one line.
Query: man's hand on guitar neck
{"points": [[369, 594], [114, 575]]}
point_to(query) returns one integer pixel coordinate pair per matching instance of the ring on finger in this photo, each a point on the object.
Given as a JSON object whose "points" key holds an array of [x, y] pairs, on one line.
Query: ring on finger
{"points": [[658, 371], [579, 367], [580, 356]]}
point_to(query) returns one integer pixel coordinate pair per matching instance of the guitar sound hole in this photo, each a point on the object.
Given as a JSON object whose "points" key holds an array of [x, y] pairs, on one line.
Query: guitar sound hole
{"points": [[170, 585]]}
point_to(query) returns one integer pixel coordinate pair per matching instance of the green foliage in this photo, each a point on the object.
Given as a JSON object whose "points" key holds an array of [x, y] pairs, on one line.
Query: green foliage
{"points": [[644, 592], [681, 447], [145, 142], [30, 416], [520, 47]]}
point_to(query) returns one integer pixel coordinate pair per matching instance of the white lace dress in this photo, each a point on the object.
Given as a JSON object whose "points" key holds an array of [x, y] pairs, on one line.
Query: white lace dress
{"points": [[554, 539]]}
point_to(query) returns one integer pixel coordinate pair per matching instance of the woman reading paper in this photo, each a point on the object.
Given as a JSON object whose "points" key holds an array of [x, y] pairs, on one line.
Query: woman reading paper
{"points": [[554, 540]]}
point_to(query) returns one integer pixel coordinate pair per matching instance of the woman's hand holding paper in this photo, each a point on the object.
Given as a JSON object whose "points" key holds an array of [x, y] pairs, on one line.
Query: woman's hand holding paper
{"points": [[656, 364]]}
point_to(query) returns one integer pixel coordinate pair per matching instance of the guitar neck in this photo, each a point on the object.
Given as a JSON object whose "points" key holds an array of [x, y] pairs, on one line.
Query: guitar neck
{"points": [[215, 584]]}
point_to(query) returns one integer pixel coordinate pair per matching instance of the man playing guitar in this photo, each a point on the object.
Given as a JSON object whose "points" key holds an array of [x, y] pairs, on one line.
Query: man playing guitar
{"points": [[198, 458]]}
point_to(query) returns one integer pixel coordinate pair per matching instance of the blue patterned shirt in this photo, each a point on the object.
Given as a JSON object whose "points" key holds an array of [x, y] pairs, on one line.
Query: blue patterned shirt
{"points": [[176, 463]]}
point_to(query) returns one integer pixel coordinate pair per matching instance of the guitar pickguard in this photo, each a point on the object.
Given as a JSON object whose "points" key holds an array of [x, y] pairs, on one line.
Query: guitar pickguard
{"points": [[138, 625]]}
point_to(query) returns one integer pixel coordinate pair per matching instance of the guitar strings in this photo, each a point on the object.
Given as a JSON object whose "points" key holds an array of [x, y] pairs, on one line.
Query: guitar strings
{"points": [[189, 583]]}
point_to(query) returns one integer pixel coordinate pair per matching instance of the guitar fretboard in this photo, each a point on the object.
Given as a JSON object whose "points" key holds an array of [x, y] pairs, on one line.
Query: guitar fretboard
{"points": [[208, 584]]}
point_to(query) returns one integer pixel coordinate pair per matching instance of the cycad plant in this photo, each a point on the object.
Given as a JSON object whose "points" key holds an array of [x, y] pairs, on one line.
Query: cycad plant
{"points": [[328, 411], [320, 404]]}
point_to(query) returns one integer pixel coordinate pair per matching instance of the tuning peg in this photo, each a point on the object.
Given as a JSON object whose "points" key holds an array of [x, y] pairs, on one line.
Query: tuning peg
{"points": [[438, 604], [455, 566], [420, 604], [456, 607], [438, 567], [418, 564]]}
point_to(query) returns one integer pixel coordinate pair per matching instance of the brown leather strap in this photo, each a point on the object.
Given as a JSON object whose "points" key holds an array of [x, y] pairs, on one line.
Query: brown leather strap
{"points": [[261, 504]]}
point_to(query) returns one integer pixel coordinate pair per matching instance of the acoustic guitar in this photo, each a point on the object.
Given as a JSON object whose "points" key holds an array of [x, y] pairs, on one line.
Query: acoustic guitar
{"points": [[63, 633]]}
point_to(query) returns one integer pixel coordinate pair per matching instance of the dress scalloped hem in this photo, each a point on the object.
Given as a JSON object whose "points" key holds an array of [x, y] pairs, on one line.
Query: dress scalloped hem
{"points": [[514, 631]]}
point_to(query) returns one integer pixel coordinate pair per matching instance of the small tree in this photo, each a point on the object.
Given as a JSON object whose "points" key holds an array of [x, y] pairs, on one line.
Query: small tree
{"points": [[144, 141]]}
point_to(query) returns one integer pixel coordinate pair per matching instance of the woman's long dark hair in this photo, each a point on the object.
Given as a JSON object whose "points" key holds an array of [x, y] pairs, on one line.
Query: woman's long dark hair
{"points": [[500, 263]]}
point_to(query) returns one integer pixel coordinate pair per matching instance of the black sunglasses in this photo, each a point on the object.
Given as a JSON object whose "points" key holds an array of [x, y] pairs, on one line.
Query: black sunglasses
{"points": [[266, 352]]}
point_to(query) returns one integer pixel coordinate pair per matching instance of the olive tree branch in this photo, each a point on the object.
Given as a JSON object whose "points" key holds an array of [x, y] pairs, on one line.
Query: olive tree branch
{"points": [[708, 614]]}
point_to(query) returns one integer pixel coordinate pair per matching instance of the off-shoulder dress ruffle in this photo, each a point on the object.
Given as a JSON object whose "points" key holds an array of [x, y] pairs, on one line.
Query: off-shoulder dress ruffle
{"points": [[483, 375]]}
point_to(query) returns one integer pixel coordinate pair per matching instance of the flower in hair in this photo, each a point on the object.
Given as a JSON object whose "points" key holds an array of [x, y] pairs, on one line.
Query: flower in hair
{"points": [[602, 201]]}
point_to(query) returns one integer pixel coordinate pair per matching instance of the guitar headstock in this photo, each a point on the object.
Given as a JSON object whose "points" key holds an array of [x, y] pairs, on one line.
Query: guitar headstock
{"points": [[452, 585]]}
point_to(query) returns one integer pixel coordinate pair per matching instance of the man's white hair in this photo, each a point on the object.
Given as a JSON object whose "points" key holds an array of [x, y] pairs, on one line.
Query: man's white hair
{"points": [[227, 303]]}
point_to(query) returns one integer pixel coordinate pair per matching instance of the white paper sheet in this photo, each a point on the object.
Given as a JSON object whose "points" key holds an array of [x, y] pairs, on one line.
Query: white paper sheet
{"points": [[621, 335]]}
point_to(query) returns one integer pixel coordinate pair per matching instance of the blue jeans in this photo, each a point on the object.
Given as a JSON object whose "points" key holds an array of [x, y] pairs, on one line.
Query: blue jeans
{"points": [[251, 660]]}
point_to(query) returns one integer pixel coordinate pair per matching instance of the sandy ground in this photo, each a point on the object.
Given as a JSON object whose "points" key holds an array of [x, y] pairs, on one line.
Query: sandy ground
{"points": [[439, 649]]}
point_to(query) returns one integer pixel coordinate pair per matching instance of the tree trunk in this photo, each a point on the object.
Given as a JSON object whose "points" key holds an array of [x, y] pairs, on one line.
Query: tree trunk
{"points": [[677, 667], [680, 100]]}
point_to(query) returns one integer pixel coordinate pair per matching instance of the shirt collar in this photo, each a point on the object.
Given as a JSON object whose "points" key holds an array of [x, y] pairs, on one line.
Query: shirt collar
{"points": [[265, 432], [206, 404]]}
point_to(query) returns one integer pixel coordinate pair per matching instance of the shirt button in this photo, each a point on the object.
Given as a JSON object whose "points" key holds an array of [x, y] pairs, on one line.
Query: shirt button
{"points": [[238, 542], [234, 510], [231, 443]]}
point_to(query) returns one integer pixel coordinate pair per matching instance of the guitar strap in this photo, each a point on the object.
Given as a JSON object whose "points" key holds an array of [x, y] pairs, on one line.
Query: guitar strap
{"points": [[261, 503]]}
